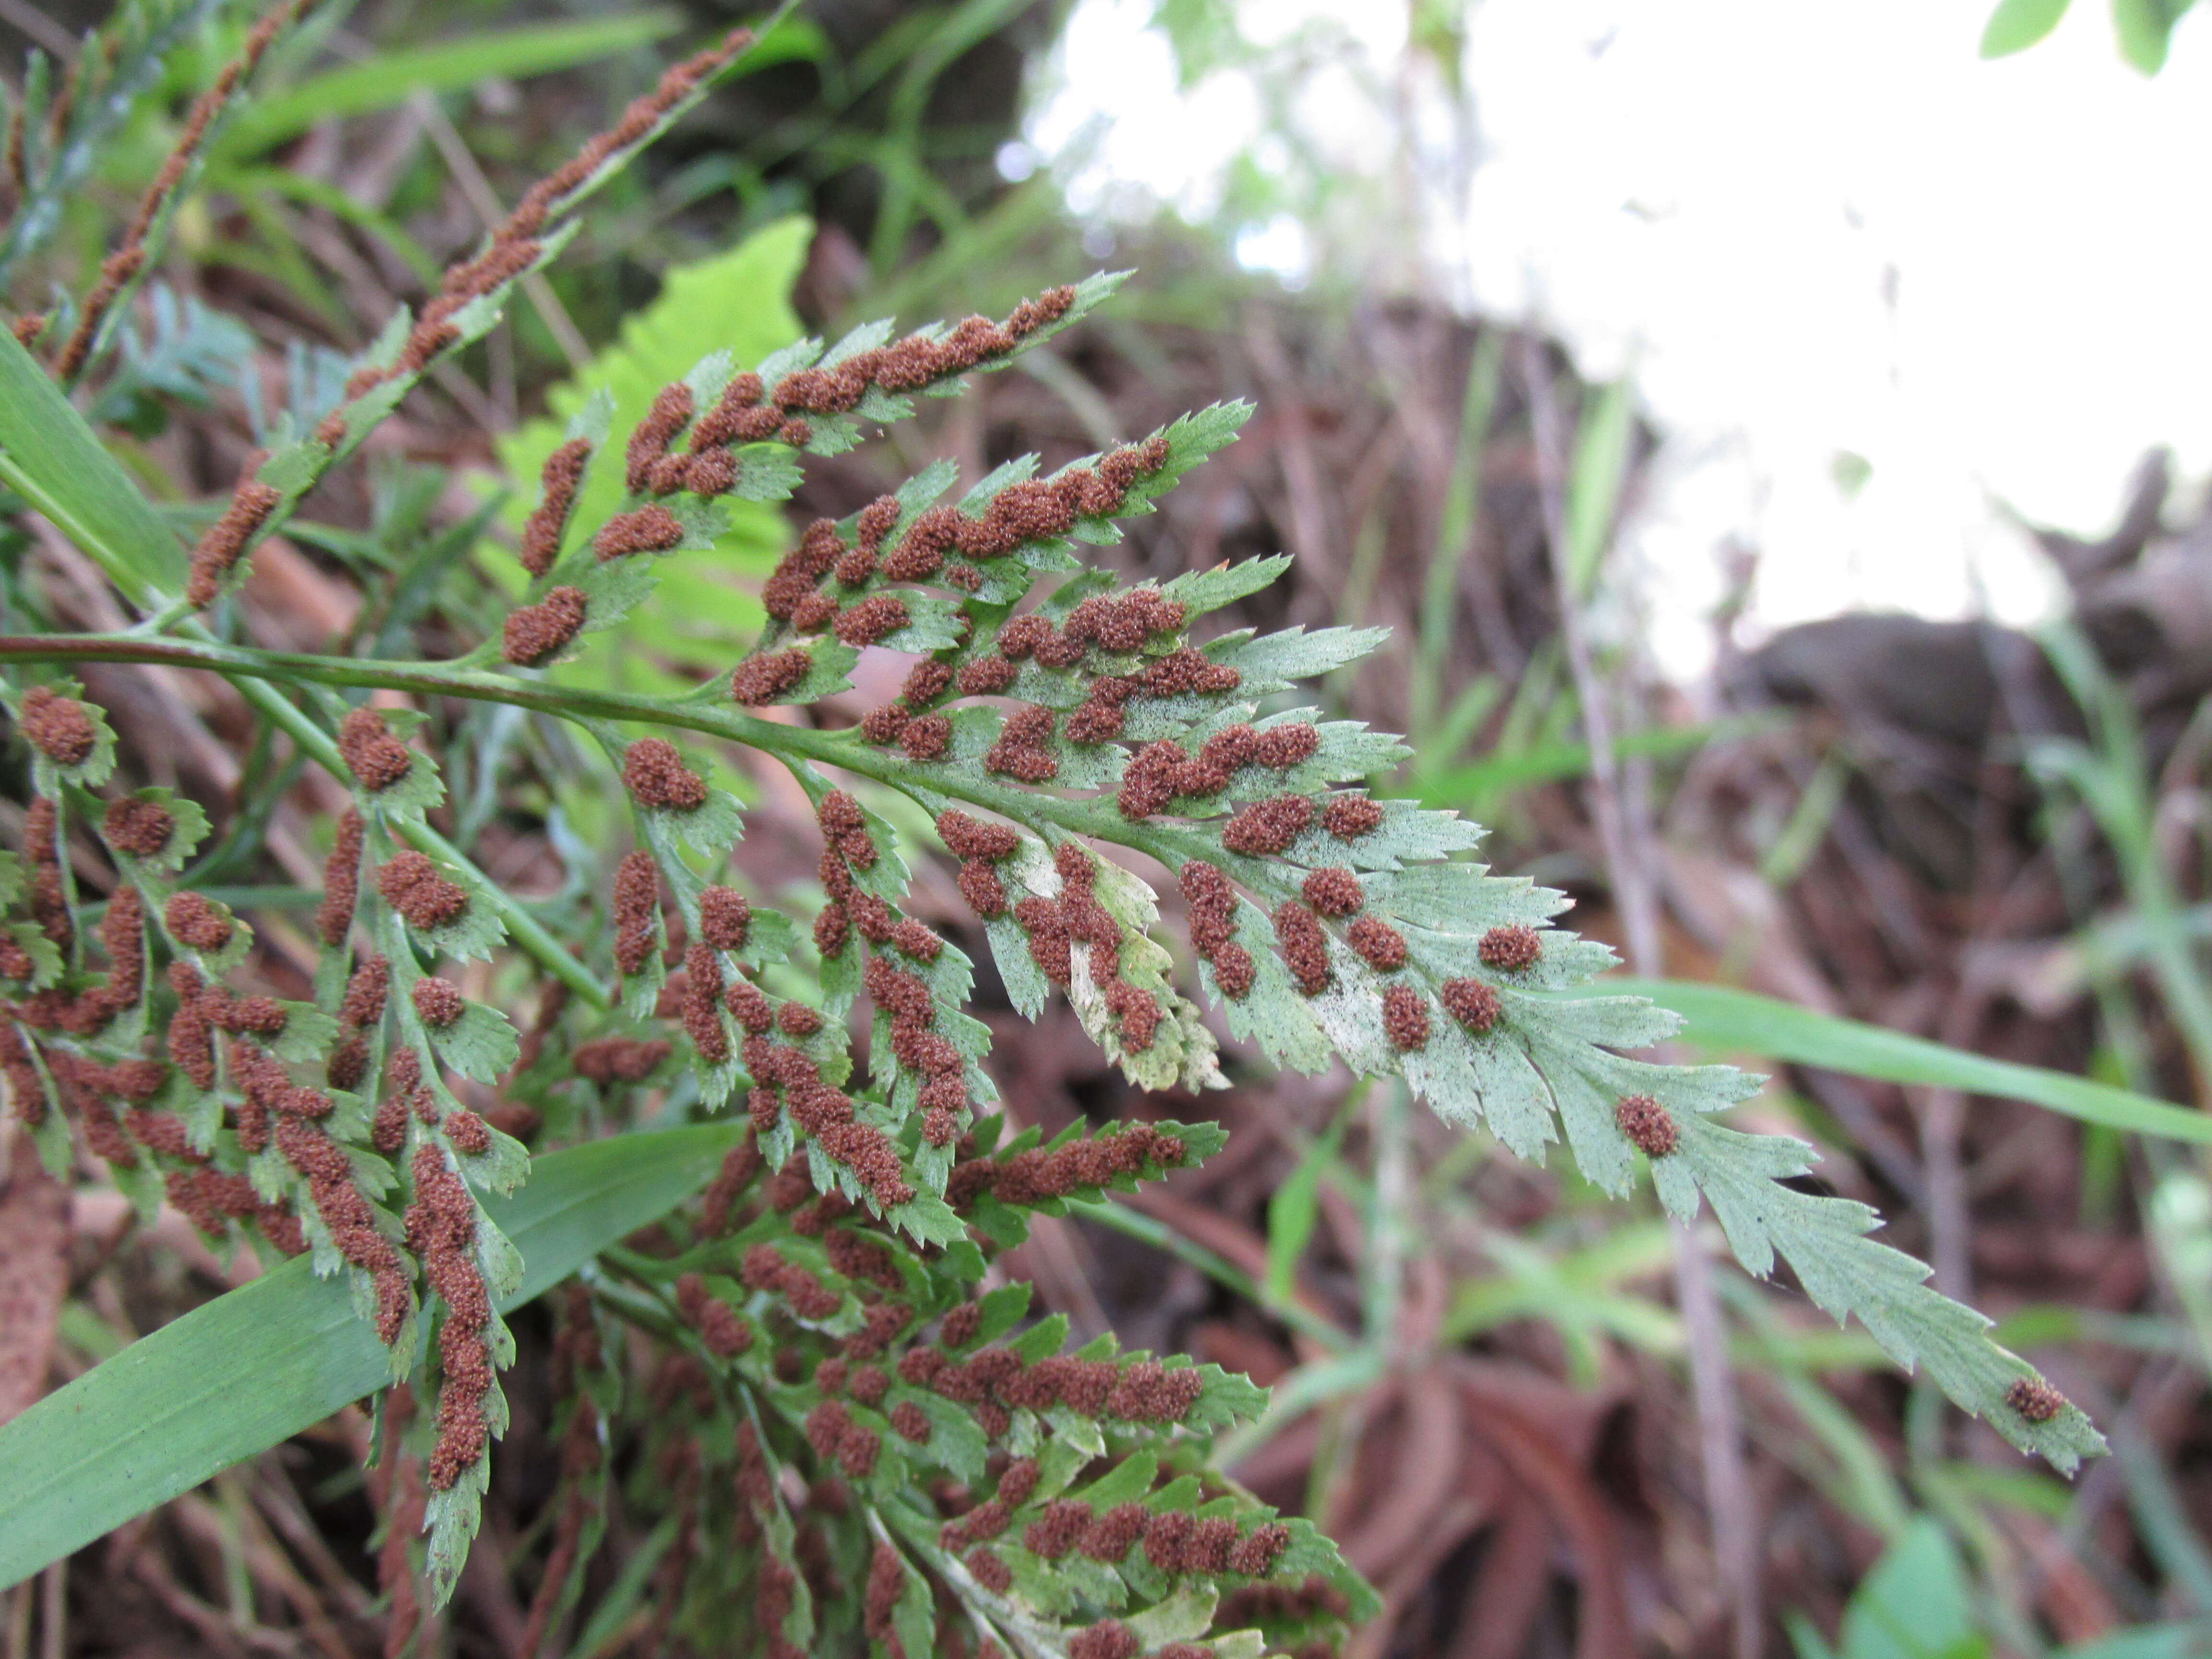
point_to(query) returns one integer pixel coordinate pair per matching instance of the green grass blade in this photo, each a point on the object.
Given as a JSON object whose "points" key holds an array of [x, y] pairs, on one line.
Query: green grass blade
{"points": [[1722, 1017], [50, 457], [1550, 762], [1455, 526], [393, 77], [274, 1357], [1291, 1214], [1603, 443]]}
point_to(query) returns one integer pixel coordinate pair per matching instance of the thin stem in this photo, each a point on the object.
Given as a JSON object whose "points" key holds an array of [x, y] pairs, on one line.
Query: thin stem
{"points": [[1720, 1417], [1171, 846]]}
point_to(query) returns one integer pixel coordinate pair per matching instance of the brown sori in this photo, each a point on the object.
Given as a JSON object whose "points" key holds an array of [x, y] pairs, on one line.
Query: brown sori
{"points": [[1304, 947], [927, 737], [991, 1570], [1649, 1126], [1333, 892], [620, 1059], [1023, 748], [558, 483], [224, 541], [2034, 1399], [469, 1132], [649, 439], [650, 529], [377, 758], [1511, 948], [536, 632], [970, 838], [702, 1004], [871, 620], [636, 908], [340, 881], [58, 727], [1405, 1017], [442, 1232], [725, 917], [986, 676], [1350, 817], [198, 922], [1472, 1003], [927, 682], [1381, 945], [410, 884], [139, 828], [750, 1006], [123, 935], [438, 1002], [1109, 1638], [980, 885], [655, 774], [763, 679], [883, 725], [49, 889], [1267, 827]]}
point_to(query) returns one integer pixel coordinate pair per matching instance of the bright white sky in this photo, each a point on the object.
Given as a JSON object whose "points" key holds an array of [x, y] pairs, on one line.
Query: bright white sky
{"points": [[1806, 231]]}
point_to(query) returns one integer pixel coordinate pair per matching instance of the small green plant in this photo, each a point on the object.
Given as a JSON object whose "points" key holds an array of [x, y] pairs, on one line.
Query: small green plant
{"points": [[847, 1435]]}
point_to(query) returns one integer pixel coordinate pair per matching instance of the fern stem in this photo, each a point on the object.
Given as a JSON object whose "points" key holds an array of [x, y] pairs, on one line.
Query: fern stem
{"points": [[1101, 819]]}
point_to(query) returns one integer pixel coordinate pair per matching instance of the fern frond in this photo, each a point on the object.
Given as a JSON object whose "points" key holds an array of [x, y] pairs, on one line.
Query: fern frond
{"points": [[1327, 926]]}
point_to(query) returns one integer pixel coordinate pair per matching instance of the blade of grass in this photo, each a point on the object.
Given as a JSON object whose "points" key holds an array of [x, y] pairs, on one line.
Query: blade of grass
{"points": [[275, 1356], [612, 1616], [1549, 763], [1603, 437], [1456, 527], [1477, 701], [1808, 825], [1721, 1017], [49, 457], [2109, 778], [1292, 1212], [391, 78]]}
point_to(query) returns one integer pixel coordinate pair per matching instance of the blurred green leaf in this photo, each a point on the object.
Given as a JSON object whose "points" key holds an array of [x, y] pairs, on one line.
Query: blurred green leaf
{"points": [[1914, 1605], [2016, 25], [2145, 29], [1204, 35], [1720, 1017], [256, 1365]]}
